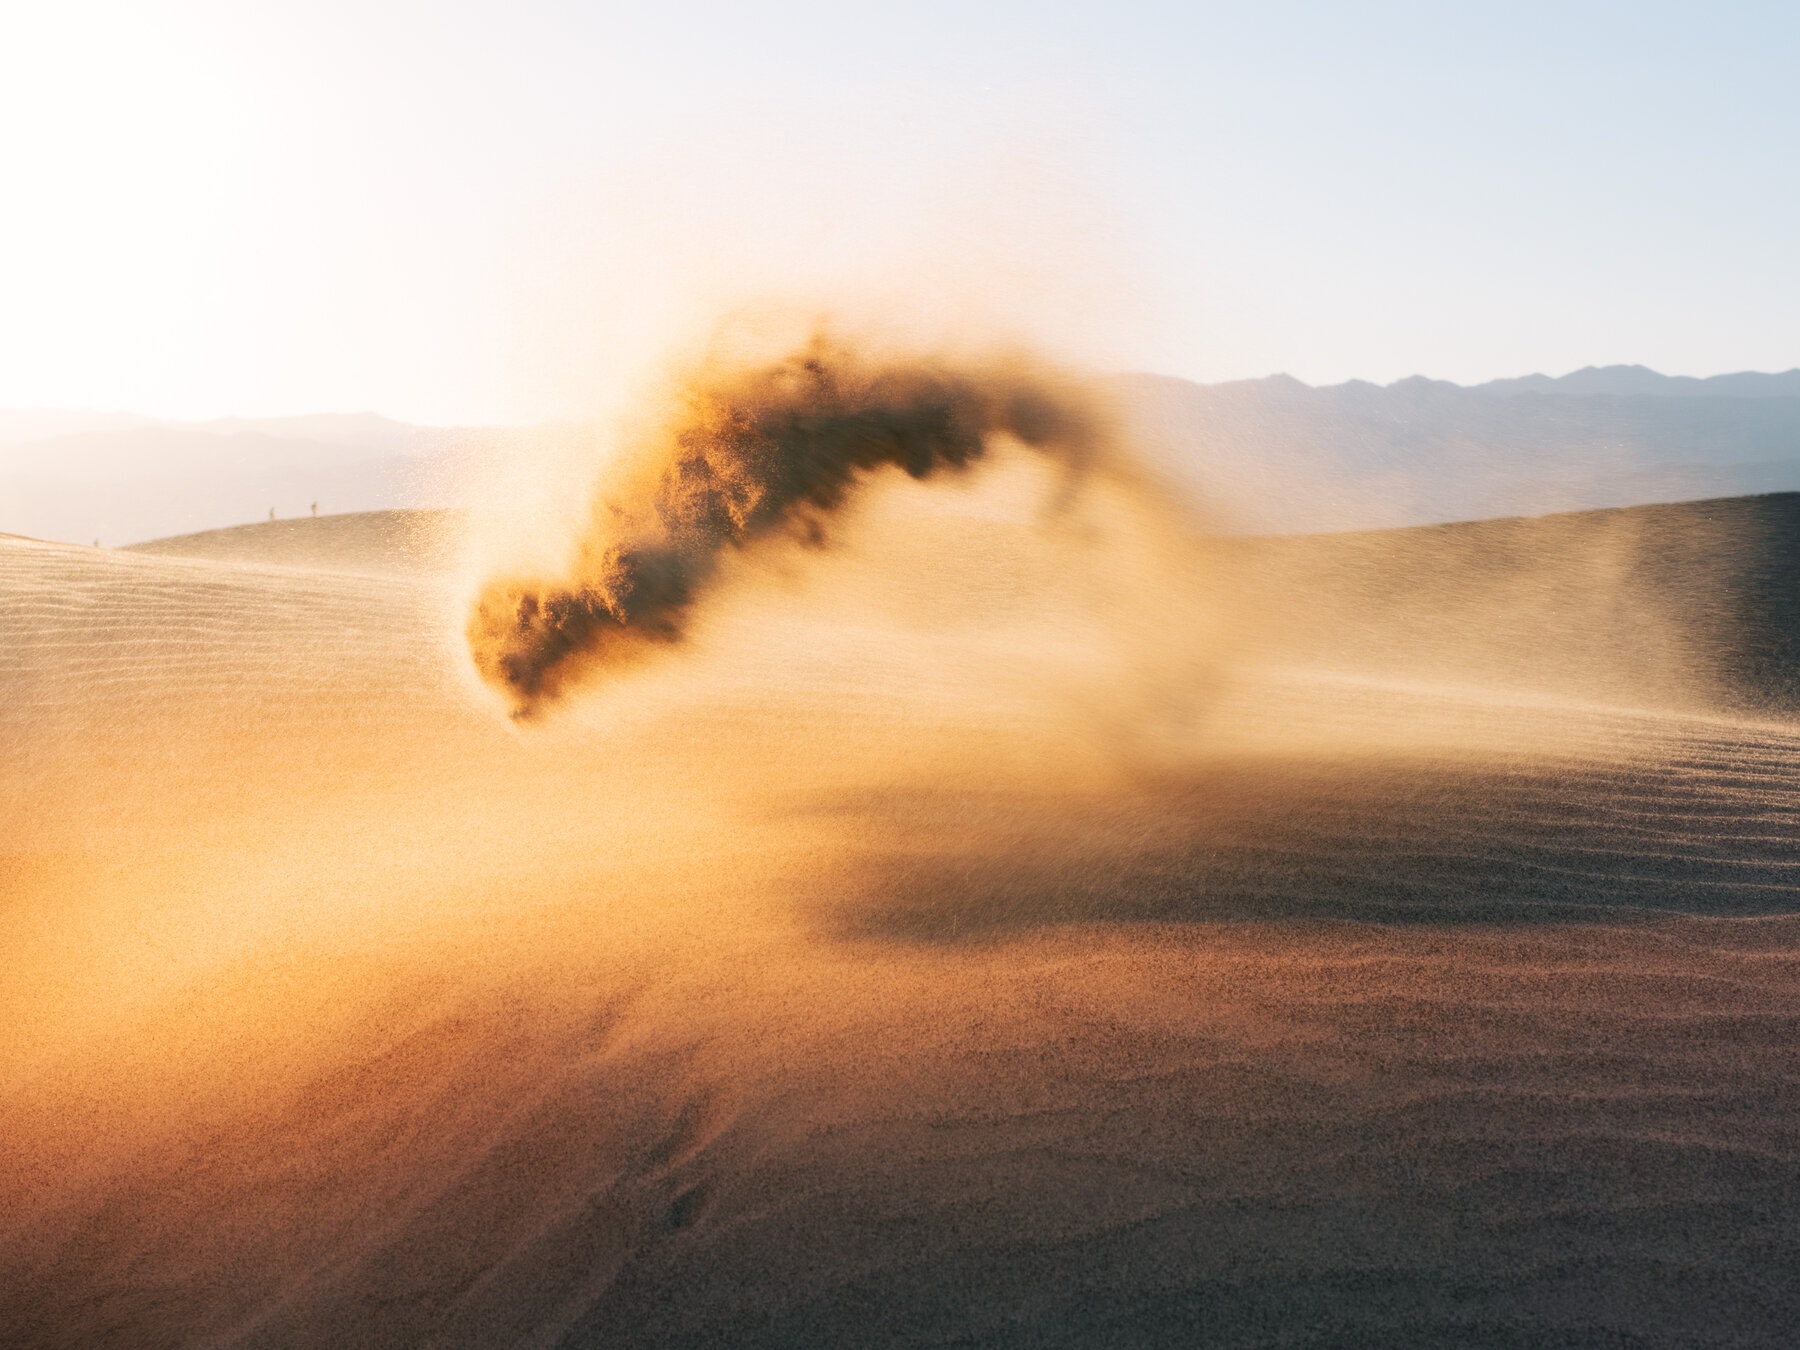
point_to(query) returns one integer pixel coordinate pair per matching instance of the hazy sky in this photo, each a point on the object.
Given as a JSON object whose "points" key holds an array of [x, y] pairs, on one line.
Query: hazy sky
{"points": [[457, 212]]}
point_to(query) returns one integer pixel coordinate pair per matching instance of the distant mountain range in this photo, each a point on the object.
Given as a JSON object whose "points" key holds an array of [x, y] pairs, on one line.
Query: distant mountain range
{"points": [[1277, 455], [1642, 380], [1268, 455]]}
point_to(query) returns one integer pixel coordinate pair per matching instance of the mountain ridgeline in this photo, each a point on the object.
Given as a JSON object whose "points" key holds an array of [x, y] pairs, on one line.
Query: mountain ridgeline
{"points": [[1275, 455], [1264, 456]]}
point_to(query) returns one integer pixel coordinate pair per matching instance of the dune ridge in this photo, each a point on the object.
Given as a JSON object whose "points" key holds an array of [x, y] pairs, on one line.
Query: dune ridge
{"points": [[398, 542]]}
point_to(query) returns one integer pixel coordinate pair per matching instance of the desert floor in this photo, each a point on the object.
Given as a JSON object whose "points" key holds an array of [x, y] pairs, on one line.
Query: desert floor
{"points": [[885, 969]]}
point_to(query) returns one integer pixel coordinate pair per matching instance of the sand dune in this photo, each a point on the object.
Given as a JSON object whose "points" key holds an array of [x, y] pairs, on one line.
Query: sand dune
{"points": [[876, 972], [76, 477], [378, 542]]}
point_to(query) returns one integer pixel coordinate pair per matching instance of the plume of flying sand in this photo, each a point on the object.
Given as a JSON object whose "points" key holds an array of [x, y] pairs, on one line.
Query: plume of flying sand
{"points": [[757, 454]]}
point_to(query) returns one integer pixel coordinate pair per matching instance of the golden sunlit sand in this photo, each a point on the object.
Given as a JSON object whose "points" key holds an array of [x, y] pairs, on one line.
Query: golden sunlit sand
{"points": [[919, 952], [995, 676]]}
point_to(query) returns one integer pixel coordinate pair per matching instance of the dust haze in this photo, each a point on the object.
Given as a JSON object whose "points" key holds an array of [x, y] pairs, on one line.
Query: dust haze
{"points": [[884, 864]]}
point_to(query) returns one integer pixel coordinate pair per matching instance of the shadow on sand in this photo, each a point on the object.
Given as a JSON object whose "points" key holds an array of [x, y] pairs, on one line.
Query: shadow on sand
{"points": [[1704, 833]]}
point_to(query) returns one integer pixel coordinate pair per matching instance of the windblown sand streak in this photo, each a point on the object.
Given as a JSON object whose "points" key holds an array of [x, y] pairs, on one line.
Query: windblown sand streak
{"points": [[754, 453]]}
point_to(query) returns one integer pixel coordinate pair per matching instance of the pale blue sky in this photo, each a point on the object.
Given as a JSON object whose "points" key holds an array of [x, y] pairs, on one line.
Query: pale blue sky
{"points": [[481, 211]]}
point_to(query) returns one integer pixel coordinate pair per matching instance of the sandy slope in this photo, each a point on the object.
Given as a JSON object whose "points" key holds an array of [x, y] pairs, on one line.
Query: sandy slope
{"points": [[858, 979], [377, 542]]}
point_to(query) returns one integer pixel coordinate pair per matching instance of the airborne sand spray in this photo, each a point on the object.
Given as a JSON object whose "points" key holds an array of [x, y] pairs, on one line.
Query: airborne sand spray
{"points": [[756, 453]]}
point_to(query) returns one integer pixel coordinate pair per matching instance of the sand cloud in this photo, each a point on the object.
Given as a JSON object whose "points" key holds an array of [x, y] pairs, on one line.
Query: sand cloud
{"points": [[753, 453]]}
